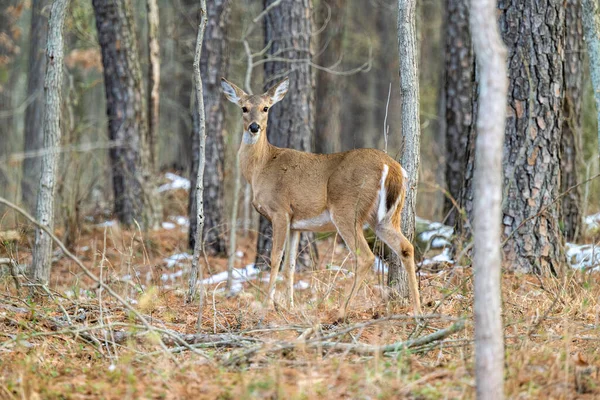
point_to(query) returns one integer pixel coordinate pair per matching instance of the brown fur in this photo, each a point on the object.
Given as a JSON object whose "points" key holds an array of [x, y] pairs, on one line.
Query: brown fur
{"points": [[340, 191]]}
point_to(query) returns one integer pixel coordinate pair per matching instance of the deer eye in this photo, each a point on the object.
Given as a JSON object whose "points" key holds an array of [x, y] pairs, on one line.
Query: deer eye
{"points": [[266, 109], [244, 109]]}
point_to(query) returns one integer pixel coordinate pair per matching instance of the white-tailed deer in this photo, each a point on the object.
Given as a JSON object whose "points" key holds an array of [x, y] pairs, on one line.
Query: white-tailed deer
{"points": [[300, 191]]}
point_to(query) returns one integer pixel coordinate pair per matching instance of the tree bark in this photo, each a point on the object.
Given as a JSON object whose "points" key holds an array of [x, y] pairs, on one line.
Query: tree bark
{"points": [[591, 29], [571, 127], [34, 114], [42, 250], [534, 35], [10, 11], [460, 99], [288, 30], [153, 79], [329, 88], [213, 66], [135, 199], [409, 92], [196, 270], [487, 258]]}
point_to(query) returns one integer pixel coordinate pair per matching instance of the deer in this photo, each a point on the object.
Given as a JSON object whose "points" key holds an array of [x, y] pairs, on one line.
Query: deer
{"points": [[300, 191]]}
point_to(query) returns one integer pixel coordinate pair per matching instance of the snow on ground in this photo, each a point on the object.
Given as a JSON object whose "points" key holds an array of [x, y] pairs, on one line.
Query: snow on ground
{"points": [[176, 182], [177, 259], [592, 222], [584, 256], [436, 232]]}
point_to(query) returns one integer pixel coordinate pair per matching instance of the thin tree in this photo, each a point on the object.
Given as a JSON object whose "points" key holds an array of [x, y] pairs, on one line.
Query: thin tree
{"points": [[572, 122], [533, 130], [42, 250], [328, 111], [288, 30], [491, 60], [196, 271], [10, 11], [213, 65], [134, 197], [459, 112], [591, 29], [411, 133], [153, 79], [34, 114]]}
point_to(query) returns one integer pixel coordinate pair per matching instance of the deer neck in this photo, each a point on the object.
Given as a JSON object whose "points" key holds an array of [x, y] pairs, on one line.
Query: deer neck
{"points": [[254, 155]]}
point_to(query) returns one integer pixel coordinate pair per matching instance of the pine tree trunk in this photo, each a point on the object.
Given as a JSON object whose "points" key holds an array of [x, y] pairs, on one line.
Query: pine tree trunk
{"points": [[460, 108], [42, 251], [34, 114], [591, 29], [329, 88], [487, 257], [9, 49], [534, 35], [213, 66], [134, 196], [409, 91], [288, 29], [571, 127]]}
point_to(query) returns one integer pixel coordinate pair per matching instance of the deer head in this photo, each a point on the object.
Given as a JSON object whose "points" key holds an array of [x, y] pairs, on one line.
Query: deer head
{"points": [[255, 108]]}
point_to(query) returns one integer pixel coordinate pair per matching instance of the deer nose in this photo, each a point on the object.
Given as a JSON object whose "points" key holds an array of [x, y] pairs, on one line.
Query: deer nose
{"points": [[254, 127]]}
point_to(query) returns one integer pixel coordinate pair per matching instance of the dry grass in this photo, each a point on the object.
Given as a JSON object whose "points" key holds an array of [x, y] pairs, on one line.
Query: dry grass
{"points": [[552, 330]]}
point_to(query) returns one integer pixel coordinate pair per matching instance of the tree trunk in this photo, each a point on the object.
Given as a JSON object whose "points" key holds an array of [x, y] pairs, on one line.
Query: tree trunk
{"points": [[460, 106], [10, 12], [135, 199], [288, 29], [34, 114], [571, 127], [329, 88], [213, 66], [42, 251], [591, 29], [153, 80], [196, 271], [534, 35], [409, 92], [487, 258]]}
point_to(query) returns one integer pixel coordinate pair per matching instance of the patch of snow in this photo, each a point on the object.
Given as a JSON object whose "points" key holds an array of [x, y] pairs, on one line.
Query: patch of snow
{"points": [[247, 273], [112, 222], [301, 285], [583, 256], [112, 367], [239, 254], [592, 222], [380, 266], [168, 225], [84, 248], [177, 259], [180, 220], [439, 234], [443, 257], [338, 268], [177, 182]]}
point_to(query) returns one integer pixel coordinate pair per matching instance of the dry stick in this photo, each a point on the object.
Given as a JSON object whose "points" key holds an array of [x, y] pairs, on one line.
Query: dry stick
{"points": [[195, 271], [89, 273], [361, 349], [386, 127]]}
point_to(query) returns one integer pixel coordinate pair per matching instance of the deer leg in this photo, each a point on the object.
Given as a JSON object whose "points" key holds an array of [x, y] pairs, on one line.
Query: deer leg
{"points": [[355, 240], [291, 265], [405, 250], [280, 228]]}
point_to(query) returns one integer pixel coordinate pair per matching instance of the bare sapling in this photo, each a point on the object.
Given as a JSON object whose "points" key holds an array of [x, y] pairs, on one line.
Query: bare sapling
{"points": [[305, 192]]}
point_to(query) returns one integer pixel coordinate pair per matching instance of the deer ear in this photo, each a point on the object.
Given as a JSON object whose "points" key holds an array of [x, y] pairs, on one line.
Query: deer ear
{"points": [[232, 92], [277, 92]]}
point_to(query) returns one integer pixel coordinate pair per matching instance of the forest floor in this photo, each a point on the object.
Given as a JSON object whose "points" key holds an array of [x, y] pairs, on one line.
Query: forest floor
{"points": [[245, 351]]}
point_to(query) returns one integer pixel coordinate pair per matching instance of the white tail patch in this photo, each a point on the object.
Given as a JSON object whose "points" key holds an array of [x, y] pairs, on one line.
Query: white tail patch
{"points": [[381, 209]]}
